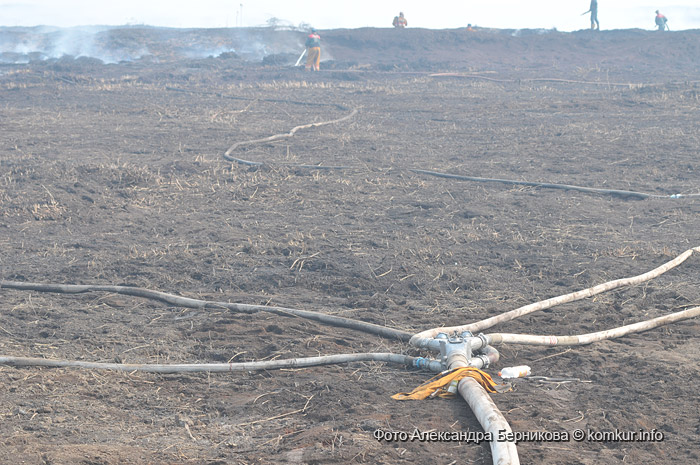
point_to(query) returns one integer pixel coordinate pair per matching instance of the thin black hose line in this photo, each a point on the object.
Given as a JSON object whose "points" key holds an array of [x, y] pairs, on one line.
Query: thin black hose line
{"points": [[544, 185], [547, 185], [615, 192]]}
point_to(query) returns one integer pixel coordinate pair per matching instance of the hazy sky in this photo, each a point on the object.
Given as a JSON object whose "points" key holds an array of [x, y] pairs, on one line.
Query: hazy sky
{"points": [[565, 15]]}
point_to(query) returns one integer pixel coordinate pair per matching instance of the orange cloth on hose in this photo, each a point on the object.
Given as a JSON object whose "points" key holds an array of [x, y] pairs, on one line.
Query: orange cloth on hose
{"points": [[437, 386], [313, 58]]}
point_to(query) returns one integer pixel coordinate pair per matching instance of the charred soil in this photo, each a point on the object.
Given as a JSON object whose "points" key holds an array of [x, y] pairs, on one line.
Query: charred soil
{"points": [[114, 174]]}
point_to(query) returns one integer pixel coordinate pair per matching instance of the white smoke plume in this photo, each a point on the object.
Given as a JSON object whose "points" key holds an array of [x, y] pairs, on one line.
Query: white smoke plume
{"points": [[129, 43]]}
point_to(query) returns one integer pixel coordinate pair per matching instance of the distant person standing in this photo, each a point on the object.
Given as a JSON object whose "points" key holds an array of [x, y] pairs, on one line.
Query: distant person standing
{"points": [[399, 21], [661, 22], [594, 15], [313, 51]]}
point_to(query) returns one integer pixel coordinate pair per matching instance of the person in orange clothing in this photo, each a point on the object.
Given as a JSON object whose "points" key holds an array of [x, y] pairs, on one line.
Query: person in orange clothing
{"points": [[400, 21], [661, 21], [313, 51]]}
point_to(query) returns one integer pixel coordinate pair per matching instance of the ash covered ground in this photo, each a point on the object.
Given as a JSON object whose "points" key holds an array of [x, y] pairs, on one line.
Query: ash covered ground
{"points": [[112, 172]]}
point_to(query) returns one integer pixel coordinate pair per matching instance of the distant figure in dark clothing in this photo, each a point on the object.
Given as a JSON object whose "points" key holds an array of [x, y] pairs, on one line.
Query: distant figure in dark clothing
{"points": [[661, 21], [399, 21], [594, 15], [313, 51]]}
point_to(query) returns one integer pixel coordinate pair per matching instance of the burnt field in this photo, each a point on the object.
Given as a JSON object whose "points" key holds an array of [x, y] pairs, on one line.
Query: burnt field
{"points": [[114, 174]]}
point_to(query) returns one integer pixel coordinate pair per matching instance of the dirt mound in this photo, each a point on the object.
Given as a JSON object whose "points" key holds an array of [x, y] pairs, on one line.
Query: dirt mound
{"points": [[525, 52], [529, 51]]}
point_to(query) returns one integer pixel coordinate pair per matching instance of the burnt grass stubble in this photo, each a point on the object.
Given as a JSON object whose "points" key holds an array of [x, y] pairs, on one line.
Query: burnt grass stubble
{"points": [[115, 175]]}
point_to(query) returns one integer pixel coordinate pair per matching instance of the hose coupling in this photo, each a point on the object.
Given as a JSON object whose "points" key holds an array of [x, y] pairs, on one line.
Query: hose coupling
{"points": [[421, 362], [484, 359]]}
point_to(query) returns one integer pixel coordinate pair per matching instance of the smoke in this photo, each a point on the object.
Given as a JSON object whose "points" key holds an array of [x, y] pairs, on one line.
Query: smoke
{"points": [[129, 43], [257, 43], [24, 45], [529, 32]]}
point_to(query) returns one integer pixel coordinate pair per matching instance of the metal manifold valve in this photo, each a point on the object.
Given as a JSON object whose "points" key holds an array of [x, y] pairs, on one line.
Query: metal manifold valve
{"points": [[463, 349]]}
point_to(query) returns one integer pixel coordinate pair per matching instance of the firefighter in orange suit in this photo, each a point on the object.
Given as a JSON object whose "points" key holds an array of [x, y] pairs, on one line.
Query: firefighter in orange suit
{"points": [[313, 51], [661, 21]]}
